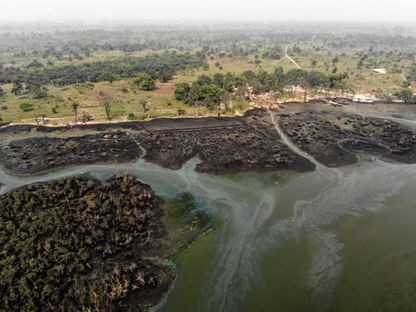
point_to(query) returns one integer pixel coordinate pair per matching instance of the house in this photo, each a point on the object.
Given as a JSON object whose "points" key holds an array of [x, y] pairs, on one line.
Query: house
{"points": [[381, 71]]}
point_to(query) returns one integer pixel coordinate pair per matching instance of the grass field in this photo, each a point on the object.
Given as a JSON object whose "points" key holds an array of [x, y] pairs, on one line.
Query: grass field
{"points": [[128, 100]]}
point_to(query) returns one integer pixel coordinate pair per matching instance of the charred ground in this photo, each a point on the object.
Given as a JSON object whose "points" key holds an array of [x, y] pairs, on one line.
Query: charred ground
{"points": [[79, 243], [335, 139]]}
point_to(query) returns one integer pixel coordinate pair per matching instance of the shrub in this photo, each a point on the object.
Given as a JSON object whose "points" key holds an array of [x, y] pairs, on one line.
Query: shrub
{"points": [[132, 116], [26, 106]]}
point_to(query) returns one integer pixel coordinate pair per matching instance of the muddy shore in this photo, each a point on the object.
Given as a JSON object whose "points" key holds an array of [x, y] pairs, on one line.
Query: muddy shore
{"points": [[335, 139], [37, 154], [225, 145]]}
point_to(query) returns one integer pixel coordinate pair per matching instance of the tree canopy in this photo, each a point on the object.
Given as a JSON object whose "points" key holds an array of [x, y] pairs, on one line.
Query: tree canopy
{"points": [[158, 66]]}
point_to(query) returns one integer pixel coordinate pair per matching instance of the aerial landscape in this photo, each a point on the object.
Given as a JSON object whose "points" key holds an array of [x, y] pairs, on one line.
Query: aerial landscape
{"points": [[175, 157]]}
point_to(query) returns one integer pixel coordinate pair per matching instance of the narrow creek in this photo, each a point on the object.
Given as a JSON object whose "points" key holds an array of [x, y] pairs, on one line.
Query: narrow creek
{"points": [[295, 245]]}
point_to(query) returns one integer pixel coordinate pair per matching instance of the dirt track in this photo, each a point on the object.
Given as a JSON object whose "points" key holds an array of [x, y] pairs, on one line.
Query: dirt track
{"points": [[335, 139]]}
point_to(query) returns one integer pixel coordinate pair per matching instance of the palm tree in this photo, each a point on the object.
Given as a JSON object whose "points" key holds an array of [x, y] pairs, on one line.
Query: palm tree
{"points": [[75, 106]]}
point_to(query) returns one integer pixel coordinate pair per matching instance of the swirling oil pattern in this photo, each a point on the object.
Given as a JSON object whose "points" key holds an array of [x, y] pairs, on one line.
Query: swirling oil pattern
{"points": [[289, 244]]}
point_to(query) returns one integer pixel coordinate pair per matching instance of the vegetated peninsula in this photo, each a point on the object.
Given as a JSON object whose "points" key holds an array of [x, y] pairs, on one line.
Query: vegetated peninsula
{"points": [[80, 244]]}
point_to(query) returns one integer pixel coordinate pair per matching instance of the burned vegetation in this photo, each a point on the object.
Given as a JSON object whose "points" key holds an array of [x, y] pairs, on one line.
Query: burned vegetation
{"points": [[31, 155], [225, 145], [335, 139], [79, 244], [250, 143]]}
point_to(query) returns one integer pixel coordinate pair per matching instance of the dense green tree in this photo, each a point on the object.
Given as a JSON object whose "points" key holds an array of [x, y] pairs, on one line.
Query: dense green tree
{"points": [[337, 81], [17, 88], [210, 91], [203, 80], [39, 92], [157, 66], [208, 95], [406, 95], [249, 75], [144, 82], [218, 79], [75, 106], [182, 91], [296, 77]]}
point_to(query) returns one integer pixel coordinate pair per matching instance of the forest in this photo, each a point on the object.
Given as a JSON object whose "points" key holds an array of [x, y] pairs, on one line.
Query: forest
{"points": [[60, 41], [211, 91], [60, 74], [158, 66]]}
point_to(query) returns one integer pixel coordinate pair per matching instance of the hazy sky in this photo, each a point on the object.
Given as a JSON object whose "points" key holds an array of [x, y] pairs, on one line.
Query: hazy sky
{"points": [[270, 10]]}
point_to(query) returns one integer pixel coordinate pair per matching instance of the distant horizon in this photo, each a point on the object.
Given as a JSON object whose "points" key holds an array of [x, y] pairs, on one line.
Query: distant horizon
{"points": [[264, 11], [204, 22]]}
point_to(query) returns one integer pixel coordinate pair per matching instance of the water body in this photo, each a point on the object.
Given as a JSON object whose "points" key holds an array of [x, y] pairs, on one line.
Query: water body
{"points": [[329, 240]]}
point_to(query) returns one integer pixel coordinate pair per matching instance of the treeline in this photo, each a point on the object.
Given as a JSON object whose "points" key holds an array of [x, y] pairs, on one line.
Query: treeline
{"points": [[208, 91], [406, 95], [77, 42], [157, 66], [276, 81], [211, 91]]}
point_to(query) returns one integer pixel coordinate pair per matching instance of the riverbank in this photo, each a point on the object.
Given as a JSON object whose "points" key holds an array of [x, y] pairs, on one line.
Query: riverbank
{"points": [[225, 145], [335, 139]]}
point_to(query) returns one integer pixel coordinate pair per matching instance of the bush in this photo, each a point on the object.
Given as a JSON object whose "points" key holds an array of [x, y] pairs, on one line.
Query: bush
{"points": [[406, 95], [26, 106], [132, 116], [86, 117], [145, 82], [39, 93]]}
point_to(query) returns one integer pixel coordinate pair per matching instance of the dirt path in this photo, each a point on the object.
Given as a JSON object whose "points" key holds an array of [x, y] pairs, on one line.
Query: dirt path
{"points": [[291, 59]]}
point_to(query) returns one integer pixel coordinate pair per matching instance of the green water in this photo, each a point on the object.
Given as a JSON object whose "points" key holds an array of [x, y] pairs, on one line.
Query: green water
{"points": [[380, 259], [372, 233], [328, 240]]}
